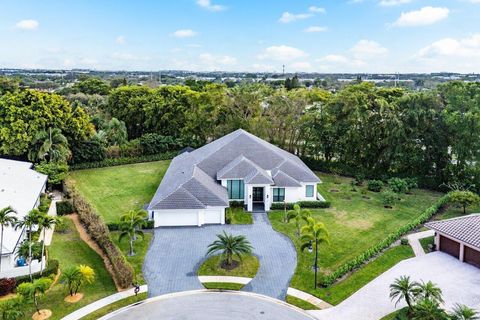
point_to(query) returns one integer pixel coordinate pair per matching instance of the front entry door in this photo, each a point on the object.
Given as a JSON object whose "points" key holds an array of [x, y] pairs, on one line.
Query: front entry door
{"points": [[257, 194]]}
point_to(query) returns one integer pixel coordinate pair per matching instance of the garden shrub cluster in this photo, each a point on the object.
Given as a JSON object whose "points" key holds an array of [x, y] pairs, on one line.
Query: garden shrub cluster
{"points": [[115, 226], [64, 207], [98, 231], [237, 204], [7, 285], [302, 204], [385, 243], [121, 161], [51, 268], [375, 185]]}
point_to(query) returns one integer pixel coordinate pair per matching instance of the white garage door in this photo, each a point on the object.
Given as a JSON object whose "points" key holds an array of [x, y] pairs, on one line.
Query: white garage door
{"points": [[213, 215], [164, 218]]}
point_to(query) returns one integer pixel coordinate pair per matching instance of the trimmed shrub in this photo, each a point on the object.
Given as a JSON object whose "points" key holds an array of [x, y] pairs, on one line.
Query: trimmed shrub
{"points": [[131, 149], [237, 204], [52, 268], [375, 185], [115, 226], [121, 270], [122, 161], [7, 285], [389, 198], [411, 183], [64, 207], [385, 243], [88, 151], [302, 204], [398, 185]]}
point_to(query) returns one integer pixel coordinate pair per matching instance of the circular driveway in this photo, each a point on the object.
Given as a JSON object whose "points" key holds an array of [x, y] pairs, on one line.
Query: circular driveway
{"points": [[210, 306], [176, 253]]}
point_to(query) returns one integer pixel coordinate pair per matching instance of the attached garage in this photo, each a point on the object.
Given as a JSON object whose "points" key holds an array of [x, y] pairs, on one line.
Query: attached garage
{"points": [[214, 215], [188, 217], [459, 237]]}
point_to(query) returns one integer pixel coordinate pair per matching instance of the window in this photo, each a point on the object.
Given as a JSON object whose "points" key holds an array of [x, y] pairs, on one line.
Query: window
{"points": [[278, 194], [235, 189], [309, 191]]}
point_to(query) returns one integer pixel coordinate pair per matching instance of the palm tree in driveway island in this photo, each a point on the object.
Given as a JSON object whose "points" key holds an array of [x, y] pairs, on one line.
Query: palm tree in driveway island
{"points": [[229, 245], [314, 234], [6, 220]]}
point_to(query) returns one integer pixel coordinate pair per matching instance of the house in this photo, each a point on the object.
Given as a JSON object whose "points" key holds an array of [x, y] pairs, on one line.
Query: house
{"points": [[20, 188], [459, 237], [199, 185]]}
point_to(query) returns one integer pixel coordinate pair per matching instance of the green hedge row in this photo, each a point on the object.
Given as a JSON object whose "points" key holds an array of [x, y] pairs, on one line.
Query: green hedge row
{"points": [[121, 161], [237, 204], [122, 271], [115, 226], [302, 204], [384, 244], [52, 268]]}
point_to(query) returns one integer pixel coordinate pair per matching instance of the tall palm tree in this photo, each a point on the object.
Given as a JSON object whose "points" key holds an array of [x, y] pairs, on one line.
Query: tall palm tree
{"points": [[314, 234], [403, 288], [429, 290], [6, 220], [462, 312], [45, 222], [28, 222], [52, 145], [31, 290], [298, 214], [230, 245], [131, 225], [116, 132]]}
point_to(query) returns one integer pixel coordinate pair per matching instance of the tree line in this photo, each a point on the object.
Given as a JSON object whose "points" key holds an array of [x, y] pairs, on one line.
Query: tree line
{"points": [[432, 135]]}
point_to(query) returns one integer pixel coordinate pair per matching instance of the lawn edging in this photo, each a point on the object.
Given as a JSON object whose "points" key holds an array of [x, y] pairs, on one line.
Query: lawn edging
{"points": [[385, 243]]}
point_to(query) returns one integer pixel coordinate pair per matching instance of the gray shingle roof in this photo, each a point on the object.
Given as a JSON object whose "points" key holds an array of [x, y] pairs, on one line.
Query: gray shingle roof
{"points": [[465, 229], [236, 155], [282, 179]]}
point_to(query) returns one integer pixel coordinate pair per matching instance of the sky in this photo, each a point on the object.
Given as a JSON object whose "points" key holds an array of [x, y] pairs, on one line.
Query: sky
{"points": [[371, 36]]}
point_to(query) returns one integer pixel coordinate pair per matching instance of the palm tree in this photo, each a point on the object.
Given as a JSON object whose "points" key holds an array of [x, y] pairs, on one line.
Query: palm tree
{"points": [[430, 291], [427, 309], [298, 214], [45, 222], [28, 222], [6, 220], [403, 288], [31, 290], [462, 312], [12, 309], [230, 245], [313, 235], [131, 225], [52, 144], [74, 277], [116, 132]]}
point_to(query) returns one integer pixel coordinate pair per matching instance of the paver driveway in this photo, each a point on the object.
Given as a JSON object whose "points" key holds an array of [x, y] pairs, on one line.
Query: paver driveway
{"points": [[460, 283], [176, 253]]}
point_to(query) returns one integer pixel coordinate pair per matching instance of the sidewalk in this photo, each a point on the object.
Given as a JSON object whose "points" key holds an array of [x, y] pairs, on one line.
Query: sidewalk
{"points": [[52, 211], [413, 240]]}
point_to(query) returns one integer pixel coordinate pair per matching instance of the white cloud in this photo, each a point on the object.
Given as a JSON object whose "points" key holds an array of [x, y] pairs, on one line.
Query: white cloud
{"points": [[288, 17], [317, 9], [262, 67], [367, 49], [391, 3], [315, 29], [120, 40], [449, 47], [184, 33], [422, 17], [281, 53], [301, 66], [334, 58], [27, 24], [207, 4], [214, 62]]}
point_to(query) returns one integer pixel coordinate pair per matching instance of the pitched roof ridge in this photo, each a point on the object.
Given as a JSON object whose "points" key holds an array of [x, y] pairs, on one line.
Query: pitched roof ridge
{"points": [[471, 215], [289, 176]]}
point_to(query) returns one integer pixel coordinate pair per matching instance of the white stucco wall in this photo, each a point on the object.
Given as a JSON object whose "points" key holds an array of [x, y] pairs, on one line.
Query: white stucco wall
{"points": [[188, 217], [295, 194]]}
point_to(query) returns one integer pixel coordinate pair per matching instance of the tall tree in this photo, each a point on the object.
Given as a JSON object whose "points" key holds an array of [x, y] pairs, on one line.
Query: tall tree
{"points": [[28, 222], [7, 219], [45, 222], [314, 234], [131, 225], [49, 145], [298, 214], [404, 289]]}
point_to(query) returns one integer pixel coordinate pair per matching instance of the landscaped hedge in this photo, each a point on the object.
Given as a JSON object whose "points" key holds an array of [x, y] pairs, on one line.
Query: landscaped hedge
{"points": [[64, 207], [237, 204], [7, 285], [302, 204], [51, 268], [115, 226], [385, 243], [125, 160], [121, 270]]}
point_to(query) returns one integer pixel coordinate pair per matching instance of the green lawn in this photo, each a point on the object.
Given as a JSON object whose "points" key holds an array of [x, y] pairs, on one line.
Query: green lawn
{"points": [[112, 191], [222, 285], [115, 306], [426, 242], [248, 267], [302, 304], [140, 248], [70, 250], [453, 211], [239, 216], [355, 224], [343, 289]]}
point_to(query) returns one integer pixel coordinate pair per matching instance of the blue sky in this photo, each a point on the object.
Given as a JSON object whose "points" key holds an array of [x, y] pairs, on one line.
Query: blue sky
{"points": [[244, 35]]}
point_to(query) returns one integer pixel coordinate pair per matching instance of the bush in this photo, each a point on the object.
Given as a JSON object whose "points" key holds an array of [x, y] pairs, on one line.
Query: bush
{"points": [[389, 198], [115, 226], [113, 152], [375, 185], [398, 185], [404, 241], [7, 285], [131, 149], [359, 179], [64, 207], [411, 183], [122, 271], [385, 243], [302, 204], [52, 268], [237, 204], [88, 151], [57, 172], [122, 161]]}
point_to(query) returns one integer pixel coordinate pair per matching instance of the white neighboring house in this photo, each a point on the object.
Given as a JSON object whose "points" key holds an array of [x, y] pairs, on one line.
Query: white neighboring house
{"points": [[20, 188], [199, 185]]}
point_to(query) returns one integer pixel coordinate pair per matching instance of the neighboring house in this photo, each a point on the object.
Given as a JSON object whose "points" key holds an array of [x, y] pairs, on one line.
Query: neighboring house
{"points": [[20, 188], [199, 184], [459, 237]]}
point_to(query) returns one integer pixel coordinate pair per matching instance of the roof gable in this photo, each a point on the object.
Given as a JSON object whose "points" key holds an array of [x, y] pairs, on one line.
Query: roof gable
{"points": [[465, 229]]}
